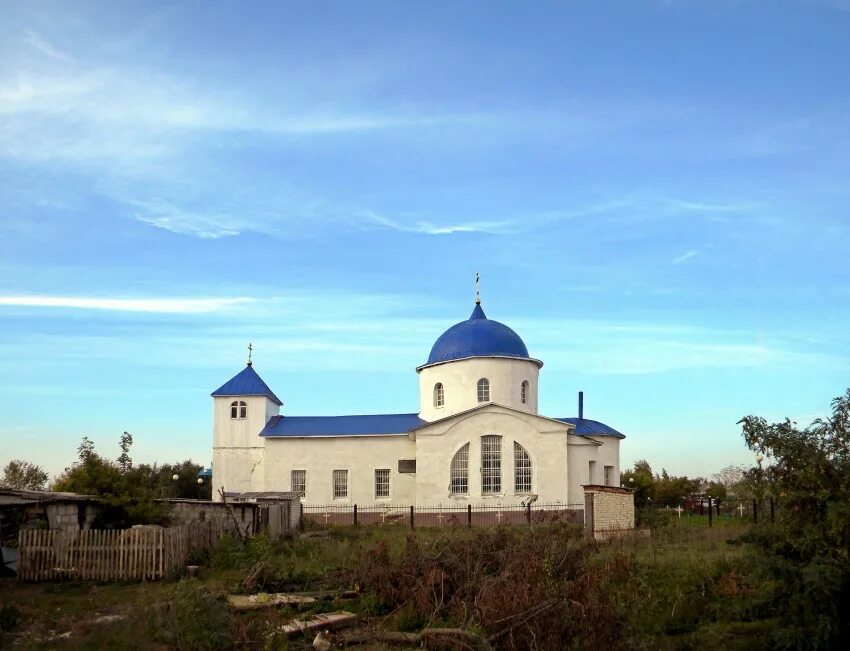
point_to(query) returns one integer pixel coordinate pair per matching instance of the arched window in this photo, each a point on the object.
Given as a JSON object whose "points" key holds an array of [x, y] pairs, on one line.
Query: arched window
{"points": [[522, 469], [439, 397], [491, 464], [484, 390], [523, 392], [459, 472], [238, 410]]}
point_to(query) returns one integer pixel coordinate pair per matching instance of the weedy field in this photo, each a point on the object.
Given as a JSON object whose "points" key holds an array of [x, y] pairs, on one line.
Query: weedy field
{"points": [[682, 587]]}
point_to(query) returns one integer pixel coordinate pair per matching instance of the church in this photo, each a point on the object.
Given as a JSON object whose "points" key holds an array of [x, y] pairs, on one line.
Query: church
{"points": [[477, 439]]}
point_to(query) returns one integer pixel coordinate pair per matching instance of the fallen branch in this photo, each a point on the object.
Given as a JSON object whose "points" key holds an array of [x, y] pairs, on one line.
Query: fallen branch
{"points": [[242, 535], [460, 638], [521, 618]]}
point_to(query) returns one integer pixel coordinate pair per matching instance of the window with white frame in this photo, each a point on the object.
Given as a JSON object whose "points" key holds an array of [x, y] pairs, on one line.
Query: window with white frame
{"points": [[491, 464], [522, 469], [439, 396], [382, 482], [608, 475], [459, 481], [484, 390], [298, 482], [523, 392], [340, 478], [238, 410], [591, 472]]}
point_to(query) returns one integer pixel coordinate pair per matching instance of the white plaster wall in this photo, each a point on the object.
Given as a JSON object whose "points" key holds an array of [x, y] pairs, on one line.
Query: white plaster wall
{"points": [[544, 440], [237, 445], [237, 470], [360, 455], [584, 449], [460, 385]]}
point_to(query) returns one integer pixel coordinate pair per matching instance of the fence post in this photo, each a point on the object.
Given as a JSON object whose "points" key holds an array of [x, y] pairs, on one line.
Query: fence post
{"points": [[702, 507], [710, 511], [528, 513], [772, 511], [469, 515], [755, 511], [300, 515], [355, 514], [411, 518]]}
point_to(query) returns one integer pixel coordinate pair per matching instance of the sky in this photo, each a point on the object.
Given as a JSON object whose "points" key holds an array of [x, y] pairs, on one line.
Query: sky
{"points": [[656, 195]]}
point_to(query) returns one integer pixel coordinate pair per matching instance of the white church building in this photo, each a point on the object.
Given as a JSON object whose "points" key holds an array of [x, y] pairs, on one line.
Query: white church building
{"points": [[477, 439]]}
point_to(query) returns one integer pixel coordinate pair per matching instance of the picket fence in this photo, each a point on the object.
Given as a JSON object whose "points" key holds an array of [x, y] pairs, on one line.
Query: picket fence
{"points": [[137, 554]]}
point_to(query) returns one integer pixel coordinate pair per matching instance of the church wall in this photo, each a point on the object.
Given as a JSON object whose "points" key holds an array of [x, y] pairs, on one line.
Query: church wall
{"points": [[460, 385], [241, 433], [545, 443], [237, 448], [360, 455], [237, 469], [582, 450]]}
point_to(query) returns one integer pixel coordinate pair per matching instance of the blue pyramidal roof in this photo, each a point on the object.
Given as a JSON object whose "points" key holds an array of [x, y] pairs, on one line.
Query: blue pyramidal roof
{"points": [[478, 336], [246, 383]]}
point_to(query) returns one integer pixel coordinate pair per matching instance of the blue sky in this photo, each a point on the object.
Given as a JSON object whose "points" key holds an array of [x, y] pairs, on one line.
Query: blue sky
{"points": [[656, 195]]}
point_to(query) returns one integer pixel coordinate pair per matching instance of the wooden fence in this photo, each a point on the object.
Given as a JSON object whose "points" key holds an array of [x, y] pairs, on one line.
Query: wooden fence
{"points": [[138, 554]]}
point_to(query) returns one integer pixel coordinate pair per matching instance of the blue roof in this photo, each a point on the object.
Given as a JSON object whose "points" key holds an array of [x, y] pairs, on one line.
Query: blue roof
{"points": [[478, 336], [587, 427], [246, 383], [374, 424]]}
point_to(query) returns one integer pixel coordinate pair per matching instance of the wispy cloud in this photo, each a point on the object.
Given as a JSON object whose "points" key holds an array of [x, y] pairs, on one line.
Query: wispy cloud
{"points": [[430, 228], [162, 305], [44, 46], [685, 256]]}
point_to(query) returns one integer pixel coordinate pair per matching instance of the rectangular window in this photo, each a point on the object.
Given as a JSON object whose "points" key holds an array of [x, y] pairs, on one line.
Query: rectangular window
{"points": [[591, 472], [382, 483], [609, 475], [491, 464], [298, 483], [340, 484]]}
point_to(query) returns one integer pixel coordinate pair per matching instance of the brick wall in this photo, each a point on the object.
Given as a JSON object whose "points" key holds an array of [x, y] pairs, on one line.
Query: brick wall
{"points": [[613, 510]]}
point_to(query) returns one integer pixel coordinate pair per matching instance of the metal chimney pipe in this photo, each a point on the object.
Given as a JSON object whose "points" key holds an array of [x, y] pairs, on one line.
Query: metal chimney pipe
{"points": [[581, 404]]}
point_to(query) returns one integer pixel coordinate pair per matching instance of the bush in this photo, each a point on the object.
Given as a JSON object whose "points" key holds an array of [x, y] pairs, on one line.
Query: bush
{"points": [[195, 619], [524, 589]]}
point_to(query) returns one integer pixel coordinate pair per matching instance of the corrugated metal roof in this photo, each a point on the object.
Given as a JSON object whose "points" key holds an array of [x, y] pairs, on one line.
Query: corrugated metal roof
{"points": [[246, 383], [18, 497], [587, 427], [373, 424], [266, 495], [478, 336]]}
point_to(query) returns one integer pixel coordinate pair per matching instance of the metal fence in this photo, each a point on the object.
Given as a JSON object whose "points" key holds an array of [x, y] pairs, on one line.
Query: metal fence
{"points": [[713, 511], [484, 515]]}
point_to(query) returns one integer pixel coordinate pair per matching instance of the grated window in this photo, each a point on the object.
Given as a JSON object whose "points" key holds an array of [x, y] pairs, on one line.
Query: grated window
{"points": [[340, 484], [523, 392], [491, 464], [522, 469], [298, 483], [382, 483], [459, 484]]}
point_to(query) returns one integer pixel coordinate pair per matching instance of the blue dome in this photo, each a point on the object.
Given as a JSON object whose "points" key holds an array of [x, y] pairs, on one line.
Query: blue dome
{"points": [[477, 337]]}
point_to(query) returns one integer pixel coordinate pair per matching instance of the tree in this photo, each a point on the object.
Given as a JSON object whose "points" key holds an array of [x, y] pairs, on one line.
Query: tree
{"points": [[124, 460], [807, 549], [24, 475], [640, 478]]}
